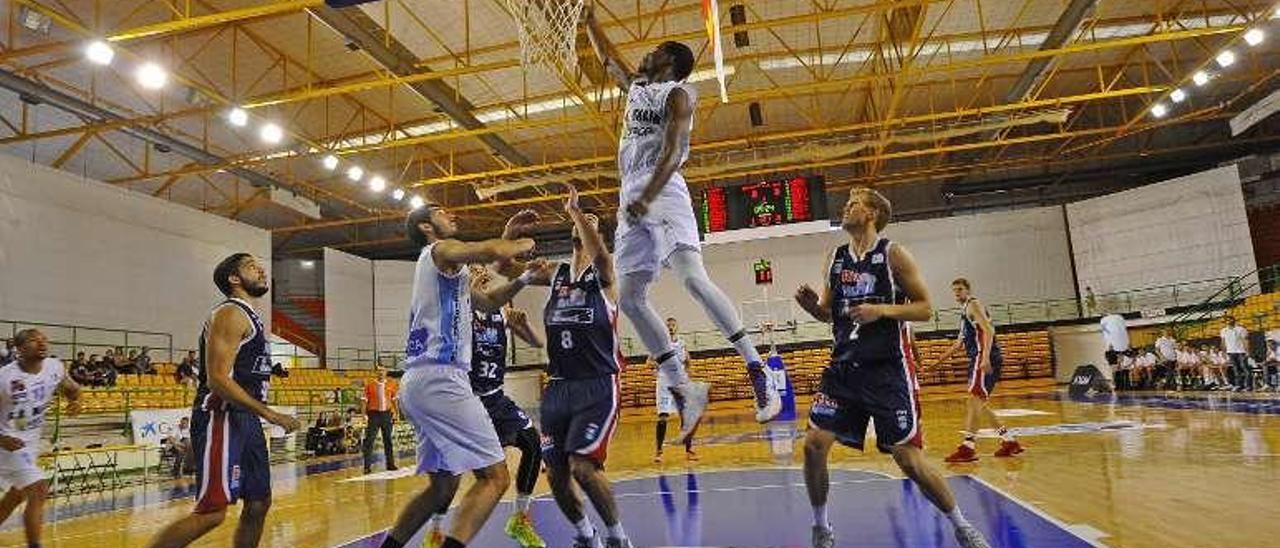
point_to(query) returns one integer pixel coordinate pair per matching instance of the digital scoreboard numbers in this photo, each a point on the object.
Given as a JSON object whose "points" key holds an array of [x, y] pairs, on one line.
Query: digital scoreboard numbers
{"points": [[763, 204]]}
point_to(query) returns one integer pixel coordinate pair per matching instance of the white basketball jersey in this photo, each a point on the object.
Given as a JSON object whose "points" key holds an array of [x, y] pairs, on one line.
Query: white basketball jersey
{"points": [[25, 397], [640, 146], [439, 316]]}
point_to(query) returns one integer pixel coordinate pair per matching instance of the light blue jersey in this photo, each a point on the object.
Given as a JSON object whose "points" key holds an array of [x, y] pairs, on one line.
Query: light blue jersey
{"points": [[439, 316]]}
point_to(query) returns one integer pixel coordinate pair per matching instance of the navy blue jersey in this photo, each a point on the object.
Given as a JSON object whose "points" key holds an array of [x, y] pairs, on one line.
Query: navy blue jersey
{"points": [[488, 351], [971, 333], [582, 338], [251, 368], [864, 280]]}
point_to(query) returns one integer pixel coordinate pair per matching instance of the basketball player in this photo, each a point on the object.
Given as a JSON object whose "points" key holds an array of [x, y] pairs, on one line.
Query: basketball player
{"points": [[27, 386], [455, 434], [231, 395], [872, 289], [978, 336], [656, 226], [581, 401], [515, 429], [666, 400]]}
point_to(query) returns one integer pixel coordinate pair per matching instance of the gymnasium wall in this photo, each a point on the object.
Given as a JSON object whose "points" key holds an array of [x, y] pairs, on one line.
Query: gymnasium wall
{"points": [[348, 304], [78, 251], [1185, 229], [392, 291]]}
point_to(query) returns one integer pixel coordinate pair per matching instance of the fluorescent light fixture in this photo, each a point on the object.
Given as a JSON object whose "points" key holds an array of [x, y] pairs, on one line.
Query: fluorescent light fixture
{"points": [[377, 183], [151, 76], [417, 202], [1159, 110], [1254, 37], [99, 53], [270, 133], [238, 117], [397, 194], [330, 162], [1178, 95], [1226, 58], [1200, 78], [355, 173], [307, 264]]}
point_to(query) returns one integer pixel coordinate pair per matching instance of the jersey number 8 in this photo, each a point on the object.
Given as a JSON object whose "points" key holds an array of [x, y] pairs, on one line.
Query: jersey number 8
{"points": [[566, 340]]}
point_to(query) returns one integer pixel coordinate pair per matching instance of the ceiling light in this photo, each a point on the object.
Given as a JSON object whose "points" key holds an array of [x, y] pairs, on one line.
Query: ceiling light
{"points": [[238, 117], [330, 162], [308, 264], [1159, 110], [99, 53], [270, 133], [1254, 37], [1200, 78], [416, 202], [151, 76], [1226, 58], [377, 183], [397, 194], [355, 173], [1178, 95]]}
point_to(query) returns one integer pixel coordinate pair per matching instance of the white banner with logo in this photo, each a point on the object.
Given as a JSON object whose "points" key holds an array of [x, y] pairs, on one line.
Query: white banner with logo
{"points": [[152, 426]]}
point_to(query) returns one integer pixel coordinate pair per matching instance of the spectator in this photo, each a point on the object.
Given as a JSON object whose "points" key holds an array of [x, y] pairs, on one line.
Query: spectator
{"points": [[186, 372], [180, 444], [1167, 354], [8, 354], [143, 363], [1115, 338], [127, 365], [104, 373], [1188, 363], [80, 370], [278, 370], [1271, 365], [1217, 365], [379, 395], [1147, 363], [1090, 302], [1124, 371], [1235, 341], [109, 358]]}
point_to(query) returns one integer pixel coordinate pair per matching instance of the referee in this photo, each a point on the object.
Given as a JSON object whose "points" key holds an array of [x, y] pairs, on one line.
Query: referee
{"points": [[378, 397]]}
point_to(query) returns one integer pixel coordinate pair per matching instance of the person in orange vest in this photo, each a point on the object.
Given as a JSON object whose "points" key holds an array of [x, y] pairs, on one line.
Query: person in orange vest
{"points": [[379, 407]]}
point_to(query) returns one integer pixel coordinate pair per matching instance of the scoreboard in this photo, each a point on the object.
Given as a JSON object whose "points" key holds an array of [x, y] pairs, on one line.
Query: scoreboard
{"points": [[763, 203]]}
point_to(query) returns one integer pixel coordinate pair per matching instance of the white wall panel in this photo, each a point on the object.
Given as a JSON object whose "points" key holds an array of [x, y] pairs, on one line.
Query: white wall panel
{"points": [[348, 307]]}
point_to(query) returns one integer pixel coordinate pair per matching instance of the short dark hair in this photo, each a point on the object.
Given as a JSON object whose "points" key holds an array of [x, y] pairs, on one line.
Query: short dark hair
{"points": [[884, 210], [682, 58], [22, 337], [415, 218], [961, 282], [229, 267]]}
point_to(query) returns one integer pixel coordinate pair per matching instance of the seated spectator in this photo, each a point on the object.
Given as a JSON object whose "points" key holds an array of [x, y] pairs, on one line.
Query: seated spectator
{"points": [[143, 362], [1145, 369], [103, 371], [80, 370], [1188, 366], [1271, 365], [179, 444], [80, 360], [9, 353], [1124, 370], [186, 372], [128, 365], [278, 370], [109, 358]]}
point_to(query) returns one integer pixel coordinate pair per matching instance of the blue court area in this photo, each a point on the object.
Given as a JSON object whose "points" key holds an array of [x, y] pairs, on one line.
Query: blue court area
{"points": [[768, 507], [1261, 404]]}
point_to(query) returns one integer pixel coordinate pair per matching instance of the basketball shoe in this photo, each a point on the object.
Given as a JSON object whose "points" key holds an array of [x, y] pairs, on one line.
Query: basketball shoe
{"points": [[1009, 448], [969, 537], [520, 528], [823, 537], [691, 398], [964, 453], [435, 539], [584, 542], [768, 402]]}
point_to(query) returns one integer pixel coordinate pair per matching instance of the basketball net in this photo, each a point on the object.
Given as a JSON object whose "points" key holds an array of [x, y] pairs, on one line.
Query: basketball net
{"points": [[711, 18], [548, 31]]}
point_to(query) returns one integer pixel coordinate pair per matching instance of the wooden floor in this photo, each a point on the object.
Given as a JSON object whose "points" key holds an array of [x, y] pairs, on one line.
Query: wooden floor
{"points": [[1153, 470]]}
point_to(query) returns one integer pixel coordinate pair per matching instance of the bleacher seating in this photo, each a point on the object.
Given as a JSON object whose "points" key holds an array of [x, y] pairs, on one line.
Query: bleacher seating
{"points": [[1027, 355], [301, 387]]}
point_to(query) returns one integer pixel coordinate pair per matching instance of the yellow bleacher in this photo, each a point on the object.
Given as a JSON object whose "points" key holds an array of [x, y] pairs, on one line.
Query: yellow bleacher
{"points": [[301, 387]]}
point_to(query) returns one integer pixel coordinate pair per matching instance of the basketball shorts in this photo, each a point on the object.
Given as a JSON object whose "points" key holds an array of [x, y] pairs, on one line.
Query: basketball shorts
{"points": [[231, 459], [454, 432], [646, 245], [579, 416], [851, 395], [982, 384], [508, 419], [19, 469], [665, 399]]}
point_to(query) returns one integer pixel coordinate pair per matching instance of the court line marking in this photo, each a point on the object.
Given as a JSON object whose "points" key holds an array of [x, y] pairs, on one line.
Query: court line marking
{"points": [[1070, 529]]}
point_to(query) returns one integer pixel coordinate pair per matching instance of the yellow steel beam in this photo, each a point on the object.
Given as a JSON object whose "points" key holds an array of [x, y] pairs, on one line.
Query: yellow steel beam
{"points": [[213, 19]]}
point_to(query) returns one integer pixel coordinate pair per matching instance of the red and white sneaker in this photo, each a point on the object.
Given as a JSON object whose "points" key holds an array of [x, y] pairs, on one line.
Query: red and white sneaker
{"points": [[964, 453], [1009, 449]]}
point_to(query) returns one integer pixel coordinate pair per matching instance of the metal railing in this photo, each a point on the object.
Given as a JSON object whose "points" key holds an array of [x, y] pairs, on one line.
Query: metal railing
{"points": [[66, 340]]}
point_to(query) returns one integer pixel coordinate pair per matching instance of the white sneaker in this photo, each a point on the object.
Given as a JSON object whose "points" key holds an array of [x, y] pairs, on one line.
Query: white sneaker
{"points": [[969, 537], [768, 402], [692, 401], [823, 537]]}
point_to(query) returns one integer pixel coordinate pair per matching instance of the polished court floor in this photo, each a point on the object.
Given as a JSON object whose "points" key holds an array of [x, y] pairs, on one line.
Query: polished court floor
{"points": [[1138, 470]]}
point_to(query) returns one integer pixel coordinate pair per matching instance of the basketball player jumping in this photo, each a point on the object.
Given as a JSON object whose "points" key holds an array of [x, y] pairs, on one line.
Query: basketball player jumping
{"points": [[873, 288], [455, 434], [515, 429], [27, 387], [978, 336], [581, 402], [231, 395], [656, 226]]}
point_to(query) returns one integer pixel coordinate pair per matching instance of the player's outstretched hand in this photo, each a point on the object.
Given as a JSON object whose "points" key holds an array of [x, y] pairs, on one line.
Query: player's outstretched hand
{"points": [[10, 443], [289, 423], [541, 269], [806, 296], [524, 248], [521, 224], [515, 316], [571, 204]]}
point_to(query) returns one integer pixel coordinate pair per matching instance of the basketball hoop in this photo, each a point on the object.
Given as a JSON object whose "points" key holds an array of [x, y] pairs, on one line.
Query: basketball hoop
{"points": [[548, 31]]}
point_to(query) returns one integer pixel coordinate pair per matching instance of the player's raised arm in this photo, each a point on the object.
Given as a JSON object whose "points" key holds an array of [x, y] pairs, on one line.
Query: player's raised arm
{"points": [[518, 321], [494, 298], [227, 329], [452, 254], [680, 124], [608, 55], [587, 228], [818, 306]]}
